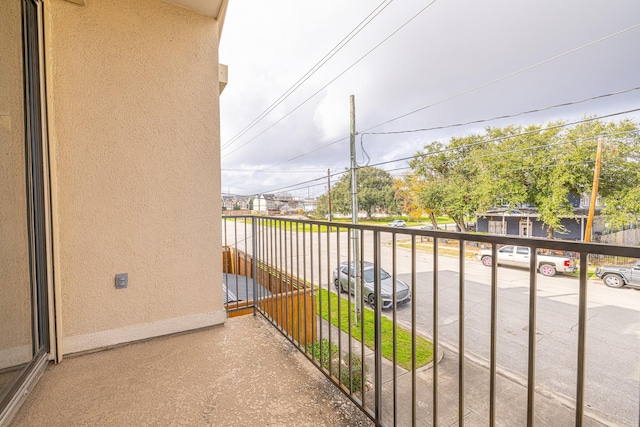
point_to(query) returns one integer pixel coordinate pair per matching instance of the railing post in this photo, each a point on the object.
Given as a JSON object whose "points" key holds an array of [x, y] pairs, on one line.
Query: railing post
{"points": [[582, 336], [377, 291], [436, 338], [461, 313], [494, 321], [531, 373], [414, 335], [254, 262]]}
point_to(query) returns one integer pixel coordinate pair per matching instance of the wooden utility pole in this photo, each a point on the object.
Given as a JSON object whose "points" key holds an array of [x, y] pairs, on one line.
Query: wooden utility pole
{"points": [[594, 192], [329, 192]]}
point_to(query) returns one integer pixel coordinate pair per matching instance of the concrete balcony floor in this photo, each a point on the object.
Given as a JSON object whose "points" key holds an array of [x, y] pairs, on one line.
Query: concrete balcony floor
{"points": [[242, 373]]}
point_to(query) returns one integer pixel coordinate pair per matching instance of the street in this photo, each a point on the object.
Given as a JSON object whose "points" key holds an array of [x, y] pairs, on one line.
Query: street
{"points": [[613, 328], [613, 325]]}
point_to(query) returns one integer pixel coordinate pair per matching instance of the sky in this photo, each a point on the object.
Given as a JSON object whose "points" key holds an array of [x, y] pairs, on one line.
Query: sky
{"points": [[410, 65]]}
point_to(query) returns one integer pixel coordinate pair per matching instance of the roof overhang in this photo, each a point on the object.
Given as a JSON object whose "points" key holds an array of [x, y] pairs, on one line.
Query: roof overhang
{"points": [[213, 8], [216, 9]]}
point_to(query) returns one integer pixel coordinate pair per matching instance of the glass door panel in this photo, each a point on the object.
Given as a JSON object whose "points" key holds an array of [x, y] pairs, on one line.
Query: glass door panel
{"points": [[23, 284]]}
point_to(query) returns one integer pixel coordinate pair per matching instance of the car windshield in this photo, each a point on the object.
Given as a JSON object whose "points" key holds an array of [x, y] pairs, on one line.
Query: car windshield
{"points": [[368, 275]]}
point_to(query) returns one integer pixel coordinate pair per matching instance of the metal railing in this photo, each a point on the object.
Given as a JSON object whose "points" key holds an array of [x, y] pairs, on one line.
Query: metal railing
{"points": [[378, 357]]}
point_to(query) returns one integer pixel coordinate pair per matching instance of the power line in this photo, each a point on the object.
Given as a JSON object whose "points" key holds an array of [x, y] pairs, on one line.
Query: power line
{"points": [[431, 105], [515, 135], [345, 40], [322, 178], [506, 76], [506, 116], [292, 187], [442, 127], [334, 79], [272, 170]]}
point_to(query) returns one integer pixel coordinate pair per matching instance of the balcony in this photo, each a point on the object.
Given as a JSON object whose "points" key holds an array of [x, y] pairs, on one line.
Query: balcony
{"points": [[477, 344], [242, 373]]}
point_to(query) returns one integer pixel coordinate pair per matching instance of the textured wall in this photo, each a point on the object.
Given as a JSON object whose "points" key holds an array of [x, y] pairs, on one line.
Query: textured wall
{"points": [[135, 114], [15, 303]]}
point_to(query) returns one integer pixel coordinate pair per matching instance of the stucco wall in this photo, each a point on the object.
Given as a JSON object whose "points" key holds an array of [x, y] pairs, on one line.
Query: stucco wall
{"points": [[15, 299], [134, 118]]}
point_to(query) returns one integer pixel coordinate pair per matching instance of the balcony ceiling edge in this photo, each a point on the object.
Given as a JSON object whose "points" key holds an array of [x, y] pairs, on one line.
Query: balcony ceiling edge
{"points": [[212, 8]]}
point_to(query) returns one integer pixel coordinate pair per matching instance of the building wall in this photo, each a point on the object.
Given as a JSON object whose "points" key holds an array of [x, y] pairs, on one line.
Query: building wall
{"points": [[15, 282], [538, 228], [134, 128]]}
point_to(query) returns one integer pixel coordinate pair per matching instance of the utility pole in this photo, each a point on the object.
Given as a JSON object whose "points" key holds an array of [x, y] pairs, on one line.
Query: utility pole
{"points": [[329, 192], [594, 192], [354, 209]]}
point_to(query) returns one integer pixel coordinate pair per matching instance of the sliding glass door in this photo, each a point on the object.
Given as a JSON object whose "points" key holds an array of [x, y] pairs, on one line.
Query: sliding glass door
{"points": [[24, 329]]}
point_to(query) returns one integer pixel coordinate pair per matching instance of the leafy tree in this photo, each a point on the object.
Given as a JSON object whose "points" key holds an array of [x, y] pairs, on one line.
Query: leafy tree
{"points": [[406, 190], [375, 193], [619, 184], [540, 166], [446, 178]]}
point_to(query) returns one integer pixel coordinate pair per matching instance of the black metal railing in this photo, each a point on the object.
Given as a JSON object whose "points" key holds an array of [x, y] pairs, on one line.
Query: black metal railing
{"points": [[512, 337]]}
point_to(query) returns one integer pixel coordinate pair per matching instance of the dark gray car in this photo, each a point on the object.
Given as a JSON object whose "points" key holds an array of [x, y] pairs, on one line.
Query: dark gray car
{"points": [[346, 274], [618, 276]]}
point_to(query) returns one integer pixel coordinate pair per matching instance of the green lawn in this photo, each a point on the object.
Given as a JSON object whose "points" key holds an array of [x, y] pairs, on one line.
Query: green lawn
{"points": [[424, 348], [381, 222], [278, 224]]}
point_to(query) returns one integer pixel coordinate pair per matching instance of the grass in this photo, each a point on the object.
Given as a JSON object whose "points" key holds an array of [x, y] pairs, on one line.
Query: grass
{"points": [[277, 224], [442, 220], [424, 348]]}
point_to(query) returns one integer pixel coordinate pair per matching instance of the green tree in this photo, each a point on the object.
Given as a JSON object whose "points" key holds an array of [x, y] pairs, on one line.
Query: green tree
{"points": [[375, 193], [540, 166], [445, 179]]}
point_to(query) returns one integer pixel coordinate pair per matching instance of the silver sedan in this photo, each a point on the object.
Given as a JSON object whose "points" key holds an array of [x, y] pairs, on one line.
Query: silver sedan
{"points": [[345, 274]]}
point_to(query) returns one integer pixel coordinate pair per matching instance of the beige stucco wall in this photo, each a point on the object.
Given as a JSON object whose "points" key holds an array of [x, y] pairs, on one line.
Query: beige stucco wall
{"points": [[134, 128], [15, 302]]}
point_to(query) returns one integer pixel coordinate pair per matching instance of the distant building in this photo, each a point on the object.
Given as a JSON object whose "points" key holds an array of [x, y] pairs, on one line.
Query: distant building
{"points": [[264, 203], [309, 205], [524, 221], [235, 202]]}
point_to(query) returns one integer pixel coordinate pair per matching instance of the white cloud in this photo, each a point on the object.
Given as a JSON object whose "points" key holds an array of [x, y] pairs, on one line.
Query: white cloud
{"points": [[450, 49]]}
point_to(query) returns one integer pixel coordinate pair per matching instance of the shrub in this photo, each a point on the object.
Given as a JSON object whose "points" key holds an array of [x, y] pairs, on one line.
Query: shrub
{"points": [[350, 378]]}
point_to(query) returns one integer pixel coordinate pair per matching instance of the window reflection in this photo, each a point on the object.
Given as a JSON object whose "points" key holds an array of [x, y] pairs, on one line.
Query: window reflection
{"points": [[15, 280]]}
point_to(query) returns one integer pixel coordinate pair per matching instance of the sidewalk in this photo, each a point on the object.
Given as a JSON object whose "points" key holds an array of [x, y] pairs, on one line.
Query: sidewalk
{"points": [[511, 394]]}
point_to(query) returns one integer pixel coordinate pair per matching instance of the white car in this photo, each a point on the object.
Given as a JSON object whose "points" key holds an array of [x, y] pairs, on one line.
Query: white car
{"points": [[519, 256], [397, 223]]}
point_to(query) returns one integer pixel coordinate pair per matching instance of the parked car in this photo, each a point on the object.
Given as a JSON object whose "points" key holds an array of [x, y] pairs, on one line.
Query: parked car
{"points": [[618, 276], [519, 256], [397, 223], [346, 273]]}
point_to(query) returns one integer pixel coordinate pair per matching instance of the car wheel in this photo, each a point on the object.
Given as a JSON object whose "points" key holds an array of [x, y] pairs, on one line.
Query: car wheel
{"points": [[486, 260], [371, 299], [613, 281], [547, 270], [339, 287]]}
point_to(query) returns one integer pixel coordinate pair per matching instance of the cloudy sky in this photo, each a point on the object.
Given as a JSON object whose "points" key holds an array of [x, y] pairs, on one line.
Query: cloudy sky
{"points": [[445, 62]]}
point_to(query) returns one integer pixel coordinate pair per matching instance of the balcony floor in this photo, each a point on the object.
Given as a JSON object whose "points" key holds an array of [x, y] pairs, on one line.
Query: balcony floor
{"points": [[242, 373]]}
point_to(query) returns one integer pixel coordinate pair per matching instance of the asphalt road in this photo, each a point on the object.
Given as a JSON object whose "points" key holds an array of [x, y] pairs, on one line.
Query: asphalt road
{"points": [[613, 326], [613, 347]]}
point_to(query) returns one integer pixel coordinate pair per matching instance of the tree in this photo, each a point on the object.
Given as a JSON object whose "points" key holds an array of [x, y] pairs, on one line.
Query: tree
{"points": [[406, 189], [540, 166], [445, 178], [375, 193]]}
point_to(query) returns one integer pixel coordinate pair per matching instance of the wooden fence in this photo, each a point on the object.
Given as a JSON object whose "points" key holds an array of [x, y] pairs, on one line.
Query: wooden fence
{"points": [[285, 298]]}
